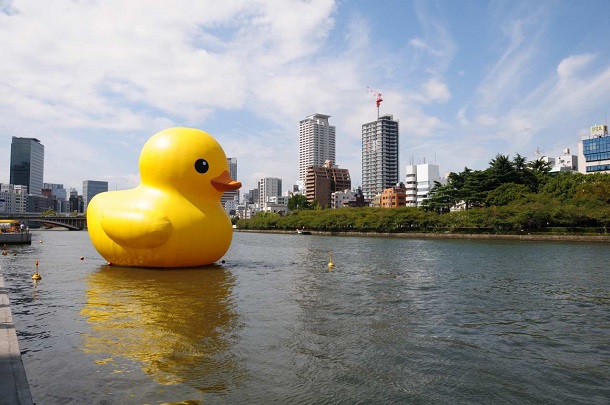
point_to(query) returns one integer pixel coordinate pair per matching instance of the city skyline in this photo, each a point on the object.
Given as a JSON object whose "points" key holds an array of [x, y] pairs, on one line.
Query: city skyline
{"points": [[466, 80]]}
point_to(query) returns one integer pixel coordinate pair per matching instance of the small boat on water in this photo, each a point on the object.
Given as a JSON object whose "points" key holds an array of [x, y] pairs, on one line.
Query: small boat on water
{"points": [[13, 232], [302, 231]]}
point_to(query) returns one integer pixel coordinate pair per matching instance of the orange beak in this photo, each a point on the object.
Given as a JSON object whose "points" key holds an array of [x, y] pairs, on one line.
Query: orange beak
{"points": [[224, 182]]}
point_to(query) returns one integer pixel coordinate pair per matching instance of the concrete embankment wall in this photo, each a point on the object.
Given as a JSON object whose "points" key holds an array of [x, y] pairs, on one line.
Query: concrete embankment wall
{"points": [[482, 236], [14, 387]]}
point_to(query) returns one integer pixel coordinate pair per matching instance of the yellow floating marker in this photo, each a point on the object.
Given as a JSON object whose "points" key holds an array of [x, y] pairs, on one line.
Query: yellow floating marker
{"points": [[330, 263], [36, 276]]}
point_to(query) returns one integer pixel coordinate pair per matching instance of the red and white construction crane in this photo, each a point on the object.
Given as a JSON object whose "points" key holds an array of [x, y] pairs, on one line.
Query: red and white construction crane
{"points": [[377, 96]]}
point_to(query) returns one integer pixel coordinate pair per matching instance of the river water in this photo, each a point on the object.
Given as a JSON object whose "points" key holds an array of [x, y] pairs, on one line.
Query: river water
{"points": [[396, 321]]}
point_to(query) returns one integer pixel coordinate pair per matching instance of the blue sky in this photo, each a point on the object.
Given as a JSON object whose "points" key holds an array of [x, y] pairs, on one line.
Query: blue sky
{"points": [[466, 79]]}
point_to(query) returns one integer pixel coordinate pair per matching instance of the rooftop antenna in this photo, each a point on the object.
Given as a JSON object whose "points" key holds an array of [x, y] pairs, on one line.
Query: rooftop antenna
{"points": [[378, 98]]}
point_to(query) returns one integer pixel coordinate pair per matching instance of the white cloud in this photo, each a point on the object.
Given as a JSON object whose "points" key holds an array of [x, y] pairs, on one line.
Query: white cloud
{"points": [[419, 43], [461, 116], [93, 80], [136, 66], [486, 120], [435, 90], [502, 81], [572, 64]]}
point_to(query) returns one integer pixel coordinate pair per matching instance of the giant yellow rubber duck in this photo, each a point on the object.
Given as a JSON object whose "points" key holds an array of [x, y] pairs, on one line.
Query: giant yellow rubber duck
{"points": [[174, 218]]}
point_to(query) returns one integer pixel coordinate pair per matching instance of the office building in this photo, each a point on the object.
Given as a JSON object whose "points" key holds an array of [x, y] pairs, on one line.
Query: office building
{"points": [[322, 181], [7, 198], [394, 197], [75, 202], [594, 151], [57, 190], [564, 163], [228, 196], [379, 156], [268, 187], [347, 198], [316, 143], [13, 199], [252, 196], [58, 194], [91, 188], [277, 204], [420, 180], [27, 164]]}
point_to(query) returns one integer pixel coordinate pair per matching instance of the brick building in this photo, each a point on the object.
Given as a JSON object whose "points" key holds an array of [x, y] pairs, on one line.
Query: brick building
{"points": [[322, 181]]}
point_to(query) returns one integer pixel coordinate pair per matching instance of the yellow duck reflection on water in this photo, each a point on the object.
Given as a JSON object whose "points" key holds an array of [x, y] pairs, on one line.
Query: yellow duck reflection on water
{"points": [[179, 325]]}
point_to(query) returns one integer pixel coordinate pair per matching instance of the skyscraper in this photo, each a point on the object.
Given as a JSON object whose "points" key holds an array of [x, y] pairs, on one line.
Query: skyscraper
{"points": [[379, 156], [316, 143], [27, 164], [91, 188], [268, 187]]}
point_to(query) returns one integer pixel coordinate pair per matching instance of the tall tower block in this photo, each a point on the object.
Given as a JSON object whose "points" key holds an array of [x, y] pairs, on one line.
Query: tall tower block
{"points": [[379, 156], [316, 143], [27, 164]]}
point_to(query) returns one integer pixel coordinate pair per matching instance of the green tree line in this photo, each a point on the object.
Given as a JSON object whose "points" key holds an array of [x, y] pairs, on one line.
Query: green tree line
{"points": [[510, 196]]}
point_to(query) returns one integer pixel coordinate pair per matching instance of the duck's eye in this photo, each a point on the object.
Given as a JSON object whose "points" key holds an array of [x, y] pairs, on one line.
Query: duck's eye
{"points": [[202, 166]]}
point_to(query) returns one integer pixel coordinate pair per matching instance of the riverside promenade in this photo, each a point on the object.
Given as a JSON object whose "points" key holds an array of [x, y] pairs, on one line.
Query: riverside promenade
{"points": [[14, 387]]}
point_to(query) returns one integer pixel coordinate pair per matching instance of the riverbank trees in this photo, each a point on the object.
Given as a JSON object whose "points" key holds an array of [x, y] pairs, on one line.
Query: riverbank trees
{"points": [[511, 196]]}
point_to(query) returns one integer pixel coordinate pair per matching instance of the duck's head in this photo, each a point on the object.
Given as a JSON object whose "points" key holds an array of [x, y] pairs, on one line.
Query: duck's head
{"points": [[188, 160]]}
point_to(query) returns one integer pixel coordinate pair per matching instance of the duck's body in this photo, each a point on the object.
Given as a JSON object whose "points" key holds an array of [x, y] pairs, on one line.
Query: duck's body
{"points": [[174, 218]]}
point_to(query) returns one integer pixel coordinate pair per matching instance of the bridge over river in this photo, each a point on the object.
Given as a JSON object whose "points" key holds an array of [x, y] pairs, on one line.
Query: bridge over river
{"points": [[72, 223]]}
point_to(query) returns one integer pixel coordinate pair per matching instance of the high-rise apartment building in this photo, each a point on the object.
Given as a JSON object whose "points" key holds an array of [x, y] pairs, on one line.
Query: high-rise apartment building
{"points": [[594, 151], [379, 156], [27, 164], [316, 143], [268, 187], [91, 188]]}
